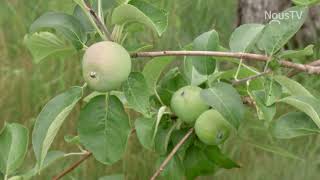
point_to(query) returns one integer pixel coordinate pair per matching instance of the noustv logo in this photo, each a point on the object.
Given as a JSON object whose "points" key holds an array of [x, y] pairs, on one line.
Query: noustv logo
{"points": [[277, 17]]}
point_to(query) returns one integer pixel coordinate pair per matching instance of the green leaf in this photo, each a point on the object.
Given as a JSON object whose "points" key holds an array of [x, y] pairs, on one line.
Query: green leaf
{"points": [[72, 139], [160, 114], [293, 124], [273, 149], [244, 37], [305, 2], [273, 91], [306, 104], [293, 87], [51, 157], [142, 12], [293, 54], [13, 144], [264, 112], [45, 44], [137, 94], [191, 73], [144, 128], [176, 137], [169, 84], [113, 177], [196, 163], [174, 169], [92, 95], [83, 19], [215, 155], [208, 41], [135, 47], [162, 138], [279, 31], [256, 84], [225, 99], [104, 128], [66, 24], [51, 119], [153, 69]]}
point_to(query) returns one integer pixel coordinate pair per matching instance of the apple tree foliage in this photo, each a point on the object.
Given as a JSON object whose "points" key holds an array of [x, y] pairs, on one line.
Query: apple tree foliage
{"points": [[141, 107]]}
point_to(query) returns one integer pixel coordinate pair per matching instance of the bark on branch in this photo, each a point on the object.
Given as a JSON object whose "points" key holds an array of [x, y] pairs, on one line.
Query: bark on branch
{"points": [[310, 69], [171, 155], [97, 20], [72, 167]]}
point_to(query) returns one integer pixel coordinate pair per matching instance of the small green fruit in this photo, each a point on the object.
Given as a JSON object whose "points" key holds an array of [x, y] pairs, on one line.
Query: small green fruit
{"points": [[211, 128], [187, 104], [105, 66]]}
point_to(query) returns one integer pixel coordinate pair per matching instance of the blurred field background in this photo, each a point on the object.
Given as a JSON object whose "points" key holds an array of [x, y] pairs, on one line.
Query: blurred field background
{"points": [[26, 87]]}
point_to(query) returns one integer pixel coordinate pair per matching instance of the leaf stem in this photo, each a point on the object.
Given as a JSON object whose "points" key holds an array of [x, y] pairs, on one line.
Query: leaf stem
{"points": [[76, 154], [238, 70], [240, 81]]}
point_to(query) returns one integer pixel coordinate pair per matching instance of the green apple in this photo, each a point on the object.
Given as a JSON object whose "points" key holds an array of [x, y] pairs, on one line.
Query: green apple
{"points": [[106, 65], [212, 128], [187, 104]]}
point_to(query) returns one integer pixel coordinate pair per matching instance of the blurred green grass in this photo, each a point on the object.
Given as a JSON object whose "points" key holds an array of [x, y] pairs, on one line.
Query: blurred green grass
{"points": [[26, 87]]}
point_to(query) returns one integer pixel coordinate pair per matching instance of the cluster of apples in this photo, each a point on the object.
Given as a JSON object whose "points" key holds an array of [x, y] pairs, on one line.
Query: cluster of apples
{"points": [[210, 126], [106, 65]]}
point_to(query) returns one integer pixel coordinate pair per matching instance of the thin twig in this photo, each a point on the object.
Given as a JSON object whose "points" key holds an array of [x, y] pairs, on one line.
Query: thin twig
{"points": [[240, 81], [172, 153], [248, 56], [295, 72], [97, 20], [239, 55], [72, 167]]}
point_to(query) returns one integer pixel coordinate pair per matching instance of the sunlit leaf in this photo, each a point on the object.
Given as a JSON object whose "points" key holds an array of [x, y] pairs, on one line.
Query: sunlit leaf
{"points": [[66, 24], [51, 119], [13, 147], [142, 12], [45, 44]]}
